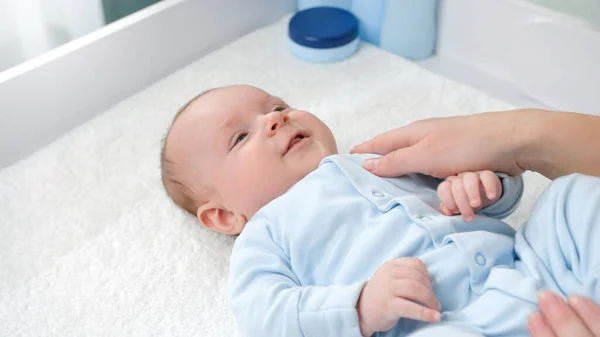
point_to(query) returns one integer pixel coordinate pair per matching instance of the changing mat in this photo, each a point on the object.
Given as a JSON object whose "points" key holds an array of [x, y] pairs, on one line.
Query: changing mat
{"points": [[90, 245]]}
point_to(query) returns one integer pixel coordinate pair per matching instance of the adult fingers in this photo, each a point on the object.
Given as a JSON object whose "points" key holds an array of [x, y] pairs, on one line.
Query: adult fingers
{"points": [[538, 327], [588, 311], [387, 142], [399, 162], [561, 318]]}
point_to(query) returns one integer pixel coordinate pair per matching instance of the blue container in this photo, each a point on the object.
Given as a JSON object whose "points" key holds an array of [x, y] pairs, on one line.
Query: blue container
{"points": [[370, 14], [323, 34], [409, 28], [304, 4]]}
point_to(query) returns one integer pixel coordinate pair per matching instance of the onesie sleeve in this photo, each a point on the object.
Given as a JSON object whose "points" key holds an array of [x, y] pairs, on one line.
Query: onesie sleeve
{"points": [[268, 299]]}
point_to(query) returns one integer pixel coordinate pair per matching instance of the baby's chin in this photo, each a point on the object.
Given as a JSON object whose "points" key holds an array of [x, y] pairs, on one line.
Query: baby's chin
{"points": [[308, 165], [322, 151], [298, 168], [312, 163]]}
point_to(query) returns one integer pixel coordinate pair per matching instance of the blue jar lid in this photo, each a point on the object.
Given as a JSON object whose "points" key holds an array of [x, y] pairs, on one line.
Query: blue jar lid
{"points": [[323, 27]]}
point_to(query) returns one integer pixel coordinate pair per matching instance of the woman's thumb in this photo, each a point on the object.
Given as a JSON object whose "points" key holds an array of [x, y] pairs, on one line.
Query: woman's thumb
{"points": [[396, 163]]}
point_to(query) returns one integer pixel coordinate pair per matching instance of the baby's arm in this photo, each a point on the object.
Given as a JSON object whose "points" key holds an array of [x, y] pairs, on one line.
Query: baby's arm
{"points": [[491, 194], [269, 300]]}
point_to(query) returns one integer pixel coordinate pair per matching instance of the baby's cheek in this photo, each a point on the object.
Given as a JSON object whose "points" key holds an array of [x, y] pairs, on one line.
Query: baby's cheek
{"points": [[261, 184]]}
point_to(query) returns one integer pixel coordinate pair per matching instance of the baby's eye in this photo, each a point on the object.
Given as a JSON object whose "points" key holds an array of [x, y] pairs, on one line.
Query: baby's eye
{"points": [[240, 137], [280, 108]]}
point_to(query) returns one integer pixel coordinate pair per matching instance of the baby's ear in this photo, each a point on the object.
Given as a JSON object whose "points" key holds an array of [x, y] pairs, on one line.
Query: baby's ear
{"points": [[213, 216]]}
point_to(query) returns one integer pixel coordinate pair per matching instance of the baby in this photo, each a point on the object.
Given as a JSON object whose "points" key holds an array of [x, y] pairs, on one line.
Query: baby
{"points": [[326, 248]]}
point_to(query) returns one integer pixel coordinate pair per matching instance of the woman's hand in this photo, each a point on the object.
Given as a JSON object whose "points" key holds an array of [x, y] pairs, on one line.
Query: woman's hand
{"points": [[441, 147], [578, 317], [551, 143]]}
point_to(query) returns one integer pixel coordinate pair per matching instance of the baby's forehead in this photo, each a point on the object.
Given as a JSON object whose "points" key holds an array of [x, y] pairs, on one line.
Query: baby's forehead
{"points": [[221, 105]]}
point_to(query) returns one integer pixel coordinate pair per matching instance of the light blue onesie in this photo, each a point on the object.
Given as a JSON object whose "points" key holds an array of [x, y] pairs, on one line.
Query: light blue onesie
{"points": [[299, 265]]}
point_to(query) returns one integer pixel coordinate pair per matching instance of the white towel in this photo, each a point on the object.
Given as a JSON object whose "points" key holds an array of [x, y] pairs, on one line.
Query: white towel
{"points": [[91, 246]]}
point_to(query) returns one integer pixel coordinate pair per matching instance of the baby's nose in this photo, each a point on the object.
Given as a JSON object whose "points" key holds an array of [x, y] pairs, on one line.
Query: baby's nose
{"points": [[275, 121]]}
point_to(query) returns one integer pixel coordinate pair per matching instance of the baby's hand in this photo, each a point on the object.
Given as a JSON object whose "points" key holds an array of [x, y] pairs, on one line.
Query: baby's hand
{"points": [[469, 192], [394, 292]]}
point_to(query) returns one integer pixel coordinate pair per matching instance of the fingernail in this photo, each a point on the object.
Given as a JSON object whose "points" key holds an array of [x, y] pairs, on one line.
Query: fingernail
{"points": [[370, 164], [543, 296], [437, 316], [468, 218], [550, 302], [474, 203], [492, 195], [575, 300]]}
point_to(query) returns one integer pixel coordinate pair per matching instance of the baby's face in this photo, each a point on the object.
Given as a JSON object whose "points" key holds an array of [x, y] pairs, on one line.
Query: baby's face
{"points": [[249, 147]]}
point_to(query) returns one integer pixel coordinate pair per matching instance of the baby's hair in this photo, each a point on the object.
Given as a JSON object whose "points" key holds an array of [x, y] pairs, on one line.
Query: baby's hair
{"points": [[178, 191]]}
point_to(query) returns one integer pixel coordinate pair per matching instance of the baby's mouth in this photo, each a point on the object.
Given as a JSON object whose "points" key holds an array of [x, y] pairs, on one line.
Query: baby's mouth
{"points": [[297, 138]]}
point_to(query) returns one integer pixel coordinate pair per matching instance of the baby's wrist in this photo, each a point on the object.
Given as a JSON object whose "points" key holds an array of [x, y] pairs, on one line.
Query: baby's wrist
{"points": [[365, 329]]}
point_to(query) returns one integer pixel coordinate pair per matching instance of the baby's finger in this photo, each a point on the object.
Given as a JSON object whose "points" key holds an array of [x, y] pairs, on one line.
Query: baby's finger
{"points": [[461, 199], [415, 291], [412, 274], [445, 210], [412, 262], [491, 184], [472, 183], [406, 309], [445, 194]]}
